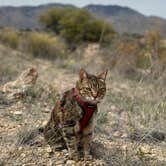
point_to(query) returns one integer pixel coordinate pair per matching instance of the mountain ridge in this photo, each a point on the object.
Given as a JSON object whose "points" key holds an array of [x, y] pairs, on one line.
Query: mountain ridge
{"points": [[124, 19]]}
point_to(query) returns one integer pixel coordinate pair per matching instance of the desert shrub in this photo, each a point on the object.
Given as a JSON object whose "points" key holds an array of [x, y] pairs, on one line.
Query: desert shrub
{"points": [[77, 25], [33, 93], [9, 37], [44, 45], [39, 44], [155, 47], [131, 54], [51, 19], [143, 61], [126, 57]]}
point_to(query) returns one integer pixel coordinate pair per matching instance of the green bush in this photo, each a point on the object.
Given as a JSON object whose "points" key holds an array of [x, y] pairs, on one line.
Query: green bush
{"points": [[51, 19], [77, 25], [9, 37]]}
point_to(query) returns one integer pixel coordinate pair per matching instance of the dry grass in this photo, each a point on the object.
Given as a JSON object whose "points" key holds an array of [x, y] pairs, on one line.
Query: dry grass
{"points": [[130, 129], [44, 45], [10, 37], [38, 44]]}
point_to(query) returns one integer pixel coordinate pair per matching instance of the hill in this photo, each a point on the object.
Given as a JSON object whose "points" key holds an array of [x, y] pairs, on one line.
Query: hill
{"points": [[124, 19]]}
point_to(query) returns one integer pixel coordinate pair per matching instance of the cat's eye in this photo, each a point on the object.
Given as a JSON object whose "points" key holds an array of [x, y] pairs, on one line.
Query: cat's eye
{"points": [[102, 89], [89, 89]]}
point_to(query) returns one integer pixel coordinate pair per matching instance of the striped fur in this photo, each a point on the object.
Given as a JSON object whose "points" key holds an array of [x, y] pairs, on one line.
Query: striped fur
{"points": [[62, 130]]}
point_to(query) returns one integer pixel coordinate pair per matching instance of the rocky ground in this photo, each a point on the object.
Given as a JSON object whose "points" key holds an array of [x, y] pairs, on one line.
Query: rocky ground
{"points": [[130, 127]]}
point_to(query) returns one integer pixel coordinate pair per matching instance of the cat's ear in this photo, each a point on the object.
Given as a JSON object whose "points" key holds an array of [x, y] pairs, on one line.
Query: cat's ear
{"points": [[83, 74], [103, 75]]}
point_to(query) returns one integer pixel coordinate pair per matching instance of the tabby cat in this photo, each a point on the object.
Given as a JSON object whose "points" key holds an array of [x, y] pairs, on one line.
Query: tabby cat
{"points": [[72, 120]]}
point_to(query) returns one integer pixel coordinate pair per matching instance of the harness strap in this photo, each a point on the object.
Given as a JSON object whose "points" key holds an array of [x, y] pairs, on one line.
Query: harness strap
{"points": [[88, 110]]}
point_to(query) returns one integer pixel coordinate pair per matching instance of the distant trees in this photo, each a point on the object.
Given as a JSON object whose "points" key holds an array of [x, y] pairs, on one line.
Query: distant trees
{"points": [[77, 25]]}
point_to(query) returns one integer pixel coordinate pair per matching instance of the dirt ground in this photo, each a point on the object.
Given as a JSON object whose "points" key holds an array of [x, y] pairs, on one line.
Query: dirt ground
{"points": [[122, 137]]}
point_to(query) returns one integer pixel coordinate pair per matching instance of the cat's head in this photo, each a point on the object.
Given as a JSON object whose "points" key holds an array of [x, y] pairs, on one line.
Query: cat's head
{"points": [[92, 88]]}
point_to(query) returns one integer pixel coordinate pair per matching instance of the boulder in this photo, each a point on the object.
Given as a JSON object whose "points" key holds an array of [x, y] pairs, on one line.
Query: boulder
{"points": [[17, 88]]}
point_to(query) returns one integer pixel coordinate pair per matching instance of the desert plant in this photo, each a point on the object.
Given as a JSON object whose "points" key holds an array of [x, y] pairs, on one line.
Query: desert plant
{"points": [[44, 45], [51, 19], [9, 37], [77, 25]]}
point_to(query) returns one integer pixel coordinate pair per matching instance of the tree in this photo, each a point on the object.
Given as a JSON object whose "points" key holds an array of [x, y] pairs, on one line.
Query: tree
{"points": [[77, 25], [52, 17]]}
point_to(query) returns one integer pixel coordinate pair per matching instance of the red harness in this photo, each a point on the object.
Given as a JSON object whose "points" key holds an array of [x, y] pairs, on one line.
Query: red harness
{"points": [[87, 108]]}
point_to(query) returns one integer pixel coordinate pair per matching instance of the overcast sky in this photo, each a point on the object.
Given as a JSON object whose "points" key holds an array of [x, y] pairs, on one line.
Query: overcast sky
{"points": [[147, 7]]}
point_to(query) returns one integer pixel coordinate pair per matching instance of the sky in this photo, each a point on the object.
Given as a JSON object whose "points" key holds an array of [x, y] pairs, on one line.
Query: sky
{"points": [[147, 7]]}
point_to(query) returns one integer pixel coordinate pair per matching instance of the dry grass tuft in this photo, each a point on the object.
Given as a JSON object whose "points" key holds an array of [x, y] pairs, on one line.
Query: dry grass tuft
{"points": [[10, 37]]}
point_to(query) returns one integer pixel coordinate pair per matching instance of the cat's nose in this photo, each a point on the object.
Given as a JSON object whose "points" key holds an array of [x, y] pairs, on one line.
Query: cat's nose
{"points": [[94, 94]]}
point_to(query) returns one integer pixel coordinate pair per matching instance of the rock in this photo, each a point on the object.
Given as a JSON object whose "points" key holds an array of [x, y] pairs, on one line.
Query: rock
{"points": [[48, 149], [44, 122], [158, 135], [59, 163], [117, 134], [17, 88], [17, 113], [64, 151], [23, 155], [70, 163], [124, 135], [113, 107]]}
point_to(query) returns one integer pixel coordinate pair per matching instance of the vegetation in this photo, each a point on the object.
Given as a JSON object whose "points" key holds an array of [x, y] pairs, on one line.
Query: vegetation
{"points": [[44, 45], [77, 26], [38, 44], [131, 52], [130, 124], [10, 37]]}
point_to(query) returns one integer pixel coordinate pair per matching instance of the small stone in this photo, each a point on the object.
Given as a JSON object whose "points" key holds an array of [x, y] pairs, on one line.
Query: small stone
{"points": [[44, 123], [124, 135], [117, 134], [124, 147], [23, 155], [17, 113], [57, 154], [46, 110], [113, 107], [64, 150], [48, 149], [59, 163], [70, 163]]}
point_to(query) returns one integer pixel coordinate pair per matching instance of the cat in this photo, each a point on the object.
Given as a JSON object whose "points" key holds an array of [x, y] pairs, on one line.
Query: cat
{"points": [[71, 124]]}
